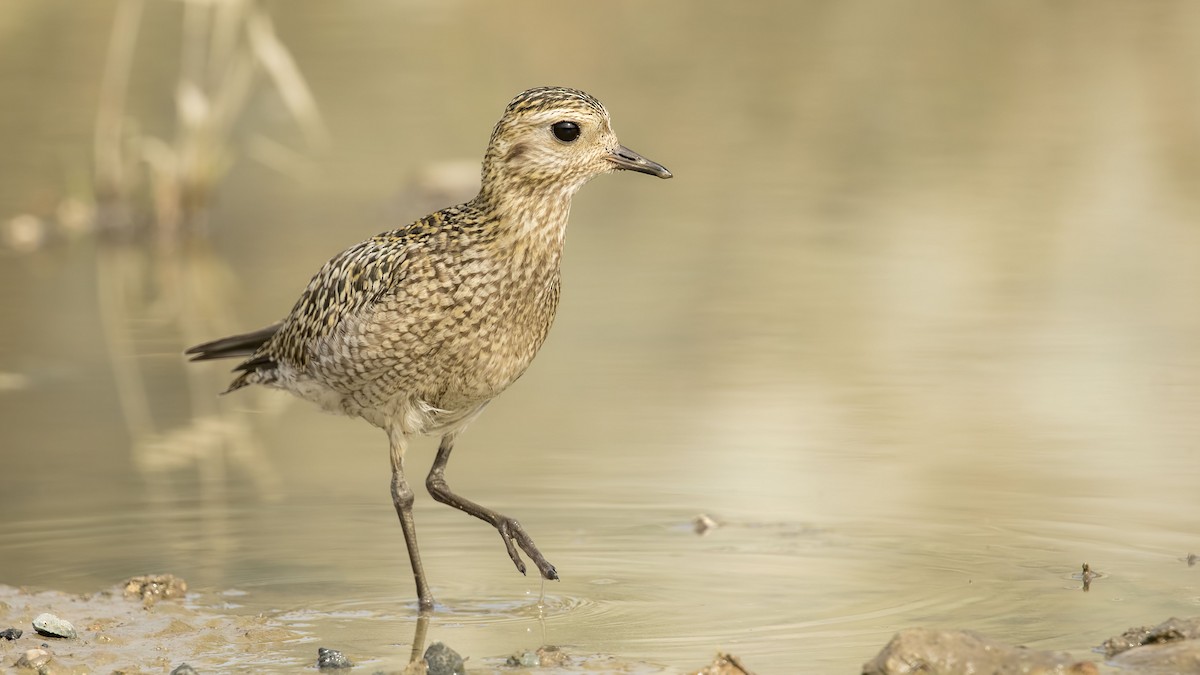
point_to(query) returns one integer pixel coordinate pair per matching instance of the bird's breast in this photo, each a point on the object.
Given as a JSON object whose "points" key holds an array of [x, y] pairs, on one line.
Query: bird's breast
{"points": [[461, 330], [505, 319]]}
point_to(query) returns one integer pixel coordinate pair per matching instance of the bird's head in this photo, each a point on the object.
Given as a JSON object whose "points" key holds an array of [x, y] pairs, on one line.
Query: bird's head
{"points": [[556, 139]]}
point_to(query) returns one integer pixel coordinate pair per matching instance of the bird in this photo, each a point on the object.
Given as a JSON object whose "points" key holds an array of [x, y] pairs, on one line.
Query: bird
{"points": [[415, 330]]}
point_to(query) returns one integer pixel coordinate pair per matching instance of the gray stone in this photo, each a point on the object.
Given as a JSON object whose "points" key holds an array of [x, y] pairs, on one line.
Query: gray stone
{"points": [[331, 658], [184, 669], [1171, 630], [10, 633], [1163, 658], [442, 660], [51, 626]]}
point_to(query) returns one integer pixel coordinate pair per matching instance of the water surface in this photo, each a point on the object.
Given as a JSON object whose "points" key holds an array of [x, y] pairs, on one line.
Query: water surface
{"points": [[917, 321]]}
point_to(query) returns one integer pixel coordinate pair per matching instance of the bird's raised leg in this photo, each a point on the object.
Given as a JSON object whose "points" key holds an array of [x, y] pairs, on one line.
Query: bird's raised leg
{"points": [[402, 497], [510, 530]]}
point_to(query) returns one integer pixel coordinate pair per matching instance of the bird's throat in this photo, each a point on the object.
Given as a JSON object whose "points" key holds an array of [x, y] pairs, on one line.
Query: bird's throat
{"points": [[536, 219]]}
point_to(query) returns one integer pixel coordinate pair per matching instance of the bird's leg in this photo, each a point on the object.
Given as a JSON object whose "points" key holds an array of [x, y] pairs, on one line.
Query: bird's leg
{"points": [[402, 497], [510, 530]]}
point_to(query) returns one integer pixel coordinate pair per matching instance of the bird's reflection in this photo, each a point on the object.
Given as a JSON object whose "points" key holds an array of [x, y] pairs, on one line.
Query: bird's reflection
{"points": [[441, 658], [418, 641]]}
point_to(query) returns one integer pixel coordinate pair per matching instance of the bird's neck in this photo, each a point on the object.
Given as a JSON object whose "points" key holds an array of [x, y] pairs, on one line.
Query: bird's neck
{"points": [[533, 216]]}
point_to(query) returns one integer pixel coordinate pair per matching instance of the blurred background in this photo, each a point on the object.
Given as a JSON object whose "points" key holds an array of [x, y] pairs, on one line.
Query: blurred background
{"points": [[917, 323]]}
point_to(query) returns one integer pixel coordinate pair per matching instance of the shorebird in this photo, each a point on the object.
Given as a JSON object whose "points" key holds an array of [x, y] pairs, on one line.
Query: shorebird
{"points": [[416, 329]]}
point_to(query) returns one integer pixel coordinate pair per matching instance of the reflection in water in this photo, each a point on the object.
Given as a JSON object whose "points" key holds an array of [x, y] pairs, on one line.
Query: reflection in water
{"points": [[417, 657], [418, 641], [150, 295]]}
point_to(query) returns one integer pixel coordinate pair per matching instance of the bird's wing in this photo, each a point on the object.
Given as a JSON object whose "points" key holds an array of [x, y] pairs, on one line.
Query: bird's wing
{"points": [[348, 287], [343, 288]]}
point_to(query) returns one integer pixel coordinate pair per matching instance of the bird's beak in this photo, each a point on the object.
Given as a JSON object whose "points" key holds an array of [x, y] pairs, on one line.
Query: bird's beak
{"points": [[625, 158]]}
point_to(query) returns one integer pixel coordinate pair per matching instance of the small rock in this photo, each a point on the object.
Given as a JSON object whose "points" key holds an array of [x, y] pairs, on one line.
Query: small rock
{"points": [[1164, 658], [1171, 630], [10, 633], [154, 587], [704, 523], [950, 652], [184, 669], [525, 659], [1192, 559], [724, 664], [442, 660], [1133, 637], [550, 656], [331, 658], [1087, 576], [35, 658], [52, 626], [546, 656]]}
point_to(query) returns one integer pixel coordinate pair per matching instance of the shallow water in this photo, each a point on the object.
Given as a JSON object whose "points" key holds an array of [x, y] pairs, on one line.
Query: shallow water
{"points": [[917, 320]]}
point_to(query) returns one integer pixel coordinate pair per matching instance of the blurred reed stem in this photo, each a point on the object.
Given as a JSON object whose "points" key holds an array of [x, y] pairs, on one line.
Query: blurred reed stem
{"points": [[111, 175], [228, 49]]}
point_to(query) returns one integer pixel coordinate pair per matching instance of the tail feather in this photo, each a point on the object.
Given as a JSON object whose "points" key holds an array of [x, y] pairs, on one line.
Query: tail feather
{"points": [[234, 346]]}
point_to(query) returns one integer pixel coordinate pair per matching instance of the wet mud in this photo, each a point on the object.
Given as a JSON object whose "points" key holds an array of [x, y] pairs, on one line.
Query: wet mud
{"points": [[151, 624]]}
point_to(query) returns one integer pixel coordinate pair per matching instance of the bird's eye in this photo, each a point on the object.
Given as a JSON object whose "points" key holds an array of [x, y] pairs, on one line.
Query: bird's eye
{"points": [[565, 131]]}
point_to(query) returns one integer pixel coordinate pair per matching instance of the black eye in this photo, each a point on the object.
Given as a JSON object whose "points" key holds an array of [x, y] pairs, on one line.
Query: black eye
{"points": [[565, 131]]}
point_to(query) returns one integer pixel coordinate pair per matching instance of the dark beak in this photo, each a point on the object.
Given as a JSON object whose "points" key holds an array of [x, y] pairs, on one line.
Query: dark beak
{"points": [[625, 158]]}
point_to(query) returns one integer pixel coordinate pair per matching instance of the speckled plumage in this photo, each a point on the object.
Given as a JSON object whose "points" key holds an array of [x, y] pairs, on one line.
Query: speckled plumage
{"points": [[416, 329]]}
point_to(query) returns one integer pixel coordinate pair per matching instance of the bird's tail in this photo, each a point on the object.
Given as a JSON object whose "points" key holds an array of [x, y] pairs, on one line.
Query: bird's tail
{"points": [[234, 346]]}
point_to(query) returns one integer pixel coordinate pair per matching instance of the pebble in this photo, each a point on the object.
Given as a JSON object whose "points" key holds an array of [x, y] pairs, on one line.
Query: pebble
{"points": [[51, 626], [547, 656], [704, 523], [34, 658], [442, 660], [154, 587], [527, 659], [10, 633], [184, 669], [331, 658], [550, 656]]}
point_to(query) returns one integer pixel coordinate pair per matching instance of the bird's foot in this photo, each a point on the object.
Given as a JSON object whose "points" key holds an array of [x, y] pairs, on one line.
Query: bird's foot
{"points": [[511, 531]]}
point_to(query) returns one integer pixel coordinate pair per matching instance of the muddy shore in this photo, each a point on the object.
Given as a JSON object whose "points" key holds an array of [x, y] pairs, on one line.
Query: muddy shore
{"points": [[152, 624]]}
